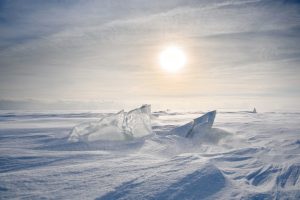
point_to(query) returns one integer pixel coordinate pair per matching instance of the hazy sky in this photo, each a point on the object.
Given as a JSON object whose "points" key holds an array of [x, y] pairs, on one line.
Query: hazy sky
{"points": [[240, 54]]}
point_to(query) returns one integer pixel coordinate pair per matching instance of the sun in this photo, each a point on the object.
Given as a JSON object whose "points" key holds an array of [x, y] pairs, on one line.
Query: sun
{"points": [[172, 59]]}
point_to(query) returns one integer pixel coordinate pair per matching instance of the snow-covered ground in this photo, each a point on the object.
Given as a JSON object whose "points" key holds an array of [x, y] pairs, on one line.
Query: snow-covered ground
{"points": [[246, 156]]}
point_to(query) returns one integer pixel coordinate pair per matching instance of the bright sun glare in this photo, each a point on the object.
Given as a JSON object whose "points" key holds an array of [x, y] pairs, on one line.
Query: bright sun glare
{"points": [[172, 59]]}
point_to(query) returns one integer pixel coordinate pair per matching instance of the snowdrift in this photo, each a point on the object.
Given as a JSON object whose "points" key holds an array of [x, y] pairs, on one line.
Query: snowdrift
{"points": [[258, 160]]}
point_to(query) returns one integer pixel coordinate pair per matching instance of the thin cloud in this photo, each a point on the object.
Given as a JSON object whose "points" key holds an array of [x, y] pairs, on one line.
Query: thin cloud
{"points": [[100, 49]]}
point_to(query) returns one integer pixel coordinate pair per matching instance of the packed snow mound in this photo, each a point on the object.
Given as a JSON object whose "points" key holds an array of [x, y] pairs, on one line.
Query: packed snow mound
{"points": [[198, 125], [120, 126]]}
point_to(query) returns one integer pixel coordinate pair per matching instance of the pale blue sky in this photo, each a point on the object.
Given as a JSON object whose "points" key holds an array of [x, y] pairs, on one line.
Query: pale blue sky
{"points": [[240, 53]]}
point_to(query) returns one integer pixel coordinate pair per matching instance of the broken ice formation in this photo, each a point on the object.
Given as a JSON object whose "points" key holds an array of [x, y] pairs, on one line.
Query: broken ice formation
{"points": [[120, 126], [196, 126]]}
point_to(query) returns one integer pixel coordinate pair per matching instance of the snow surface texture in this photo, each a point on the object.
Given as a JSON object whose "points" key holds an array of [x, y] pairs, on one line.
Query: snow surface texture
{"points": [[244, 156], [119, 126]]}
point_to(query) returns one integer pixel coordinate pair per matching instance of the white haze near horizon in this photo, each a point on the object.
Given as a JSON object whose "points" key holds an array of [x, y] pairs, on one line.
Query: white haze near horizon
{"points": [[103, 54]]}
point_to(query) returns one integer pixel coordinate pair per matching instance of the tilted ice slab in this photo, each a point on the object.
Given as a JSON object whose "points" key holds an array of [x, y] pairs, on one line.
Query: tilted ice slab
{"points": [[120, 126], [198, 125]]}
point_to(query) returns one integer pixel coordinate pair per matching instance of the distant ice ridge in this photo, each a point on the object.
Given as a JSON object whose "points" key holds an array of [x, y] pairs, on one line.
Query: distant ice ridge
{"points": [[120, 126], [196, 126]]}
